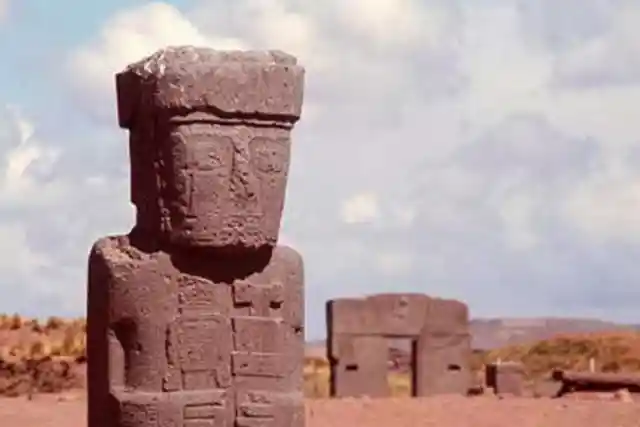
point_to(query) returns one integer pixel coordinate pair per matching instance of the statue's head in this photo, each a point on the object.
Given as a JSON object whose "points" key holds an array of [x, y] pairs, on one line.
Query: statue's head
{"points": [[210, 143]]}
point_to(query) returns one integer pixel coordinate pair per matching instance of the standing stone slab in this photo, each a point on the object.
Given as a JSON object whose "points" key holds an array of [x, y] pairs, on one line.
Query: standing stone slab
{"points": [[505, 378], [362, 367], [443, 350], [195, 318]]}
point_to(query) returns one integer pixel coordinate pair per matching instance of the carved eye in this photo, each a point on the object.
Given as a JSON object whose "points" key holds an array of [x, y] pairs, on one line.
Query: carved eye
{"points": [[271, 157], [211, 153], [214, 159], [199, 147]]}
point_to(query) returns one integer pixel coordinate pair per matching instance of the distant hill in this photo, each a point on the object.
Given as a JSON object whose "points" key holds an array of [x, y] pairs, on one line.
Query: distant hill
{"points": [[494, 333]]}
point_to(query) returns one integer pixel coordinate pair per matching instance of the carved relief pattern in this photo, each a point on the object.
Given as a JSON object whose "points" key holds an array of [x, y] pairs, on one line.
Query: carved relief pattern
{"points": [[258, 358], [270, 154]]}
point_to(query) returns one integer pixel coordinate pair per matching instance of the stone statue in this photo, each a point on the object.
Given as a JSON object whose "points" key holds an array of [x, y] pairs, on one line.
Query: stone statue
{"points": [[195, 318]]}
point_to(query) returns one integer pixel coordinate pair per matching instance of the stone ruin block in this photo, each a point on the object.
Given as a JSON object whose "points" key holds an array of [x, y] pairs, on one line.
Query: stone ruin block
{"points": [[505, 378], [357, 348], [596, 382], [195, 318]]}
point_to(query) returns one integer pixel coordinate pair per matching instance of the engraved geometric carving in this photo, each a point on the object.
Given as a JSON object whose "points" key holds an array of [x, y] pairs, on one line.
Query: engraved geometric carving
{"points": [[207, 409], [201, 347], [259, 298], [258, 335]]}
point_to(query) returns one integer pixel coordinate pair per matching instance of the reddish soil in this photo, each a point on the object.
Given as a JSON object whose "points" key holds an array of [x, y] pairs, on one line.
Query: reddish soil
{"points": [[69, 410]]}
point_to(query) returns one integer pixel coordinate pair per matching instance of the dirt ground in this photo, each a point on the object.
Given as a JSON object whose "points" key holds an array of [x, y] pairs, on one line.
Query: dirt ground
{"points": [[69, 410]]}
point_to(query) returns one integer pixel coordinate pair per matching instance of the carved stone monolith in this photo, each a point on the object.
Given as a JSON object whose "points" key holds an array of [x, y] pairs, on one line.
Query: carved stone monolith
{"points": [[195, 318]]}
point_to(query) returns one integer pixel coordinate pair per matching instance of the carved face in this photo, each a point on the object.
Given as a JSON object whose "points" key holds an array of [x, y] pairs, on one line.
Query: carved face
{"points": [[224, 185]]}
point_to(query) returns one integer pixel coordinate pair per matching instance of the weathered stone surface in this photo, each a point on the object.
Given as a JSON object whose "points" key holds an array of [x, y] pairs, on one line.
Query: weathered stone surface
{"points": [[362, 367], [195, 319], [357, 348], [506, 378], [442, 361]]}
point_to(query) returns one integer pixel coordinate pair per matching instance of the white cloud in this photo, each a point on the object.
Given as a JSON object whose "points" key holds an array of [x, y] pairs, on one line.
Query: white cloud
{"points": [[606, 206], [612, 58], [508, 75], [378, 23], [517, 214], [403, 216], [611, 113], [263, 28], [21, 195], [504, 75], [360, 208], [393, 263], [18, 260], [125, 38], [385, 25], [21, 151]]}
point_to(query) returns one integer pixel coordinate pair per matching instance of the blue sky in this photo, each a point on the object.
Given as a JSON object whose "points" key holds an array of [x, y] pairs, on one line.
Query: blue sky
{"points": [[485, 150]]}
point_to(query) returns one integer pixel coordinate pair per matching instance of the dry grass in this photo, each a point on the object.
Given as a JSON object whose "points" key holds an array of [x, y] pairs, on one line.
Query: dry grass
{"points": [[29, 339], [38, 357], [612, 352]]}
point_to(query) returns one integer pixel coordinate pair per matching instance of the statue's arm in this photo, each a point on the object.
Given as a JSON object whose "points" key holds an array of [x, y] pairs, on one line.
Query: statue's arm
{"points": [[105, 323]]}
